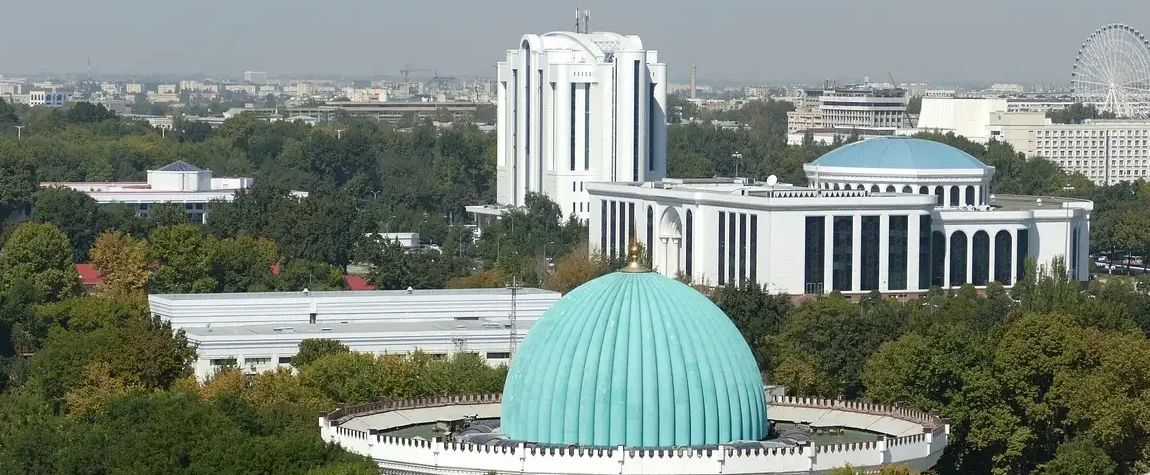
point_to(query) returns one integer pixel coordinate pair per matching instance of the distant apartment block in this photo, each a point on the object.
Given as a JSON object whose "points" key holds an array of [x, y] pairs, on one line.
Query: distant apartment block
{"points": [[862, 107], [167, 89], [134, 88], [178, 182], [47, 98], [255, 77]]}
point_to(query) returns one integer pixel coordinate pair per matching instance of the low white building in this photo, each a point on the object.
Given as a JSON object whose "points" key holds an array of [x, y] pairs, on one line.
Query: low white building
{"points": [[178, 182], [259, 331], [892, 214]]}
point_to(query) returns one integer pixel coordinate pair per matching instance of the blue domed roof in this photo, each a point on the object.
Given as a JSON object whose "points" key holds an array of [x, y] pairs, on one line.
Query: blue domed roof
{"points": [[899, 152], [636, 360]]}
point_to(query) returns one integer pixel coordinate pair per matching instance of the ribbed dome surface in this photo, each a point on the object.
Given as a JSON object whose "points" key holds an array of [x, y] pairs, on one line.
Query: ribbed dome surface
{"points": [[899, 152], [638, 360]]}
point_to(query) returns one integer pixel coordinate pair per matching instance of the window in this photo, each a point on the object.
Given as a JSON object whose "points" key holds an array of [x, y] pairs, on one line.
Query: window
{"points": [[843, 253], [954, 196], [1023, 252], [603, 226], [587, 126], [572, 128], [650, 234], [896, 253], [980, 266], [1003, 257], [958, 259], [651, 128], [498, 355], [614, 223], [754, 249], [731, 247], [815, 257], [630, 226], [869, 253], [223, 362], [937, 258], [970, 195], [722, 248], [690, 240], [285, 360], [635, 125], [924, 247], [257, 361], [742, 247]]}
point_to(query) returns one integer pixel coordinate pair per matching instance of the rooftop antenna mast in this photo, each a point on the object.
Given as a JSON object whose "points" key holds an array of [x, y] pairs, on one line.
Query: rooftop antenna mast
{"points": [[582, 21], [514, 333]]}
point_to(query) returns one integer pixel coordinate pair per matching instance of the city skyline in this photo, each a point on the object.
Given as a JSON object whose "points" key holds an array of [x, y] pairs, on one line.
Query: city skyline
{"points": [[1026, 40]]}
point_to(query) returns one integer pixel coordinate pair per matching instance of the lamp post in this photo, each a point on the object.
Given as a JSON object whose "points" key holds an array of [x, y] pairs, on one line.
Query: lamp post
{"points": [[387, 228], [338, 134], [19, 132], [738, 156]]}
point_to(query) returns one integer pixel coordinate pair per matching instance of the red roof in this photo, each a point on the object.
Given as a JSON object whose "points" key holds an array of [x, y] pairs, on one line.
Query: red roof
{"points": [[276, 269], [89, 276], [357, 283]]}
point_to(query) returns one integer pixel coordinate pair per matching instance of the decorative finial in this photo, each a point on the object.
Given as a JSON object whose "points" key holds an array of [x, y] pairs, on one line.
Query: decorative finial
{"points": [[634, 265]]}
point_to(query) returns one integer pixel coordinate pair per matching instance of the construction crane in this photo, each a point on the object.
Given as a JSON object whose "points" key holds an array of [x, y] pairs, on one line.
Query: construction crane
{"points": [[407, 72], [905, 112]]}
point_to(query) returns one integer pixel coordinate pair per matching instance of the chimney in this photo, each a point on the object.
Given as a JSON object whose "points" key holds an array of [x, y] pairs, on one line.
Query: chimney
{"points": [[692, 80]]}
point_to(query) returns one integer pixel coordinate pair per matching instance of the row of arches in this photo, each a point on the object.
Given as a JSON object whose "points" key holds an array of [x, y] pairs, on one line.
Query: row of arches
{"points": [[971, 258], [958, 195]]}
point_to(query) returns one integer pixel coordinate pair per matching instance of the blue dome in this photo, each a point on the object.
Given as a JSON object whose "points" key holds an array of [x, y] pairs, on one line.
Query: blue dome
{"points": [[899, 152], [636, 360]]}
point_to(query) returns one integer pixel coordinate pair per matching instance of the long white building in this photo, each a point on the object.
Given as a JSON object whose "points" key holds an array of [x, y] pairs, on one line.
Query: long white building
{"points": [[575, 108], [259, 331], [893, 214]]}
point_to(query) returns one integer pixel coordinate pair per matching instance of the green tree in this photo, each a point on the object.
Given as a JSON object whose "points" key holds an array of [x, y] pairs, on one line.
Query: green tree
{"points": [[40, 253], [88, 113], [313, 349], [757, 314], [183, 255], [18, 183], [167, 214], [73, 212], [300, 274]]}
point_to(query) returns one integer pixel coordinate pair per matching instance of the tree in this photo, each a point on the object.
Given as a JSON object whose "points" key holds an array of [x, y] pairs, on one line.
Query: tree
{"points": [[167, 214], [755, 312], [313, 349], [575, 269], [18, 183], [88, 113], [8, 117], [183, 255], [243, 264], [1079, 457], [122, 262], [300, 274], [480, 280], [73, 212], [40, 253], [390, 266]]}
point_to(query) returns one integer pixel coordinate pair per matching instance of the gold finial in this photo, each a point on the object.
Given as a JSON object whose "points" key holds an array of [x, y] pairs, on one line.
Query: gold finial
{"points": [[634, 265]]}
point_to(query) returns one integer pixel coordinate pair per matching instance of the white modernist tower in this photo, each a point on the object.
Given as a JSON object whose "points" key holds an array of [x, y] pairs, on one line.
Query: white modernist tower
{"points": [[576, 108]]}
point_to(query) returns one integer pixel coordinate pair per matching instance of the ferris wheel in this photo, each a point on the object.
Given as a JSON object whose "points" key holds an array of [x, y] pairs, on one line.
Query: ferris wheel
{"points": [[1112, 71]]}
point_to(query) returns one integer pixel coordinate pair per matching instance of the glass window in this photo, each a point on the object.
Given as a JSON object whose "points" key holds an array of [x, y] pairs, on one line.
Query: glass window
{"points": [[635, 126], [843, 253], [815, 257], [924, 247], [869, 253], [938, 259], [690, 242], [980, 266], [650, 234], [573, 127], [754, 249], [742, 247], [957, 259], [722, 248], [1023, 251], [1002, 259], [603, 219], [896, 253], [731, 247]]}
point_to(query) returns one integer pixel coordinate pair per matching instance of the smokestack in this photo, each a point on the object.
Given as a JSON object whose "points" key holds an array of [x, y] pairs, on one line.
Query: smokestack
{"points": [[692, 80]]}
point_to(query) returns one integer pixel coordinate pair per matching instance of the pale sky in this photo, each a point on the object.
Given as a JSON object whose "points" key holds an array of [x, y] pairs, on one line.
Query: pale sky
{"points": [[756, 40]]}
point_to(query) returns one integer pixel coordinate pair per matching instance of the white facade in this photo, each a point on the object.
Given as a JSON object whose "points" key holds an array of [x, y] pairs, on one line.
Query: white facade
{"points": [[863, 107], [47, 98], [898, 231], [260, 331], [256, 77], [575, 108], [911, 438], [177, 182]]}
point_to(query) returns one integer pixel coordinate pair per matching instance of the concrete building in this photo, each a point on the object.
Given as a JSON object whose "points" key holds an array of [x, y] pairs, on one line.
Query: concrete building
{"points": [[260, 331], [47, 98], [255, 77], [575, 108], [892, 214], [177, 182], [633, 373], [863, 107], [134, 88]]}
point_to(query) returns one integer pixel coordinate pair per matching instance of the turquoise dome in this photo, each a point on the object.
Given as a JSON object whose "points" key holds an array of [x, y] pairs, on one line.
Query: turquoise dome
{"points": [[901, 153], [637, 360]]}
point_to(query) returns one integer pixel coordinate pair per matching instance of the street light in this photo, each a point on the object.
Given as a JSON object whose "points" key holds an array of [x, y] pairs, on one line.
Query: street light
{"points": [[545, 249], [388, 224], [738, 156], [19, 132]]}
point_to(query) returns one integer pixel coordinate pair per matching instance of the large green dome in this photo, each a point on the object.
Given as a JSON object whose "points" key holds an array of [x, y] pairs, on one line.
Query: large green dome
{"points": [[634, 359]]}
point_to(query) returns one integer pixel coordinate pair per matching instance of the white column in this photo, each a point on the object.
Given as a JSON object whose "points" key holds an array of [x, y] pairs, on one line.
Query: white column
{"points": [[991, 266], [970, 257], [1083, 248], [912, 251], [977, 195], [884, 252], [665, 255], [676, 260], [856, 252], [945, 259], [1013, 257], [828, 253]]}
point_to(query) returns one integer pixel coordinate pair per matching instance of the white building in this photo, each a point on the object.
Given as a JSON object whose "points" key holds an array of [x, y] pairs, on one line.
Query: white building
{"points": [[575, 108], [134, 88], [47, 98], [255, 77], [178, 182], [260, 331], [1105, 151], [894, 214], [863, 107]]}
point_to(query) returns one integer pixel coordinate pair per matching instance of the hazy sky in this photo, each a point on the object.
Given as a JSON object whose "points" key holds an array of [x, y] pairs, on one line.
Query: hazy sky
{"points": [[918, 40]]}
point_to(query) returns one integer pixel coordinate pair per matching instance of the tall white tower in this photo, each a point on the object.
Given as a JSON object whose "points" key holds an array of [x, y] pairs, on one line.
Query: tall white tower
{"points": [[579, 107]]}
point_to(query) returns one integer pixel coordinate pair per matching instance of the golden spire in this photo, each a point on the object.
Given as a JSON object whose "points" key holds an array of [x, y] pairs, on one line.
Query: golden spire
{"points": [[634, 250]]}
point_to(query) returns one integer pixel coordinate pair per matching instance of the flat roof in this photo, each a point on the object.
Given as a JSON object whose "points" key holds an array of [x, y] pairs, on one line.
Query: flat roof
{"points": [[348, 294], [357, 329], [1030, 203]]}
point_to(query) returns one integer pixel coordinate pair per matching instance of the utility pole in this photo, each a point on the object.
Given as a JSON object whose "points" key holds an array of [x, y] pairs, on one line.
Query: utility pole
{"points": [[338, 134], [514, 334], [19, 132]]}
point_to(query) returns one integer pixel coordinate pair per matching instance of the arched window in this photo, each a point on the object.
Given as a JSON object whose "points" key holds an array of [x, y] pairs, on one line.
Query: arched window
{"points": [[860, 187], [1002, 257], [907, 189], [874, 188], [954, 196], [957, 258], [970, 195], [922, 190], [650, 234], [939, 193], [980, 267], [937, 258], [689, 240], [890, 189], [836, 187]]}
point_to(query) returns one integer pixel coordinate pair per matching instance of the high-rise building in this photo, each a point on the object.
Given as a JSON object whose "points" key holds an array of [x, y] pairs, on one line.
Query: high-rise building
{"points": [[255, 77], [579, 107]]}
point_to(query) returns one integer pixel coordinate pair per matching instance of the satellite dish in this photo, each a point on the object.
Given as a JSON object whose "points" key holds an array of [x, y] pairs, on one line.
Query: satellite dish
{"points": [[772, 180]]}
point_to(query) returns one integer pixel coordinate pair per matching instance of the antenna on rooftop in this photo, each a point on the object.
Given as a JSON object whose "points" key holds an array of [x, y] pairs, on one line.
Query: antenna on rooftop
{"points": [[514, 333], [582, 21]]}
